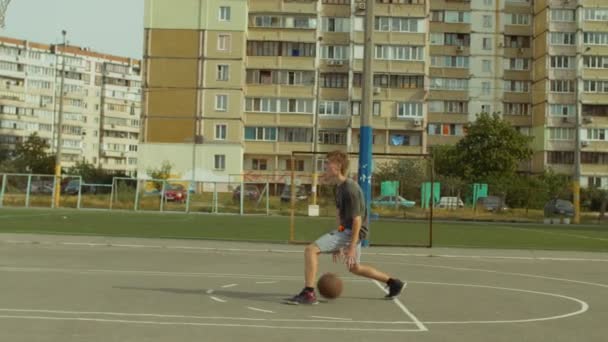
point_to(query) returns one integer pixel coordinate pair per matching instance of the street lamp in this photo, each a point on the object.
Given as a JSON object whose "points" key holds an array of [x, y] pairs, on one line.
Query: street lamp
{"points": [[59, 126]]}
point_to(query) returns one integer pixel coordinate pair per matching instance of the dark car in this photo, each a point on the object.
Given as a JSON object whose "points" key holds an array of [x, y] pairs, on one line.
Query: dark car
{"points": [[559, 207], [492, 203], [251, 193], [300, 194], [175, 193]]}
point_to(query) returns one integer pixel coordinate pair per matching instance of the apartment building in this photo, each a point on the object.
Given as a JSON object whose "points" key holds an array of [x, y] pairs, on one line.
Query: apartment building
{"points": [[101, 102], [268, 77]]}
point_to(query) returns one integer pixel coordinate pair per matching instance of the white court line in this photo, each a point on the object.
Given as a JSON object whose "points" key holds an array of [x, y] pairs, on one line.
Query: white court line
{"points": [[259, 310], [210, 291], [246, 319], [583, 304], [234, 325], [419, 324], [335, 318], [217, 299], [229, 286], [283, 251]]}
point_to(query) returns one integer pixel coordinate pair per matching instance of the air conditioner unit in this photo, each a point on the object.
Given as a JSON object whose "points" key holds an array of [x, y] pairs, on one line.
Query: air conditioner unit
{"points": [[584, 143], [565, 120], [588, 120], [460, 48], [361, 6], [417, 123], [520, 51], [113, 125], [377, 90], [501, 45], [335, 62]]}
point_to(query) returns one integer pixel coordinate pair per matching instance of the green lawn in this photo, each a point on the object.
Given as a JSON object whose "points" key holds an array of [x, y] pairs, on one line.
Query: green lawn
{"points": [[276, 229]]}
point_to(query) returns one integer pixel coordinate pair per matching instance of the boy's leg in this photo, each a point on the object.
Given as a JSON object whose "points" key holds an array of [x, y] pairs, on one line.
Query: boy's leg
{"points": [[311, 264]]}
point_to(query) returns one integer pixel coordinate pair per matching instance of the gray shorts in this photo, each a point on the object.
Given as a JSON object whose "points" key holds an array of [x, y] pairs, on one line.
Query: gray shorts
{"points": [[335, 240]]}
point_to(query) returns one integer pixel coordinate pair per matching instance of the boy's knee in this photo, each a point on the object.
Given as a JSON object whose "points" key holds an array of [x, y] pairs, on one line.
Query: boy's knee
{"points": [[356, 269]]}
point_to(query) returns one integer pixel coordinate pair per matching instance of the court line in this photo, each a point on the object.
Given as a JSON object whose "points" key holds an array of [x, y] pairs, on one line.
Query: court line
{"points": [[232, 325], [217, 299], [333, 318], [270, 250], [419, 324], [229, 286], [584, 305], [259, 310], [85, 313]]}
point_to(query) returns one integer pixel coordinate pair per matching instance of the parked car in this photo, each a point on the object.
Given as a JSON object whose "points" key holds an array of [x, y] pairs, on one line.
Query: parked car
{"points": [[492, 203], [41, 187], [175, 193], [300, 194], [559, 207], [251, 193], [393, 201], [450, 203]]}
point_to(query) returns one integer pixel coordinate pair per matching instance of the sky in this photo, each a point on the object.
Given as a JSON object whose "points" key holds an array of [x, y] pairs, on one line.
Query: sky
{"points": [[108, 26]]}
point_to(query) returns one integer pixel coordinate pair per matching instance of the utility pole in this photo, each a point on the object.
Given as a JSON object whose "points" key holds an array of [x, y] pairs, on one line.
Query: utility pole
{"points": [[365, 129], [59, 127]]}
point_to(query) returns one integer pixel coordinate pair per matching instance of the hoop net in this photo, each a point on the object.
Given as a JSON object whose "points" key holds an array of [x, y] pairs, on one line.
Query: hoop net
{"points": [[3, 7]]}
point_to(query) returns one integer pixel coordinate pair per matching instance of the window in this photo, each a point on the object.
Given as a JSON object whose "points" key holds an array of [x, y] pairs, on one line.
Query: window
{"points": [[457, 39], [437, 16], [562, 15], [517, 108], [259, 164], [562, 110], [295, 134], [437, 38], [485, 88], [332, 24], [409, 110], [595, 62], [404, 139], [518, 19], [599, 134], [445, 129], [487, 21], [518, 42], [298, 165], [487, 43], [457, 17], [400, 52], [376, 108], [398, 81], [220, 162], [450, 61], [449, 83], [223, 42], [224, 13], [398, 24], [220, 132], [332, 137], [562, 62], [333, 107], [595, 86], [486, 108], [487, 2], [334, 80], [562, 86], [561, 133], [223, 72], [595, 38], [355, 108], [456, 107], [221, 102], [517, 86], [596, 14], [563, 38], [487, 65], [518, 64], [600, 158], [560, 157], [261, 133], [286, 49], [595, 182], [339, 52]]}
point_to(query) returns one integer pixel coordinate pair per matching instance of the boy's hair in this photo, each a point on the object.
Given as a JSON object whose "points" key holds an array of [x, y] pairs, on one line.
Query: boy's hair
{"points": [[339, 158]]}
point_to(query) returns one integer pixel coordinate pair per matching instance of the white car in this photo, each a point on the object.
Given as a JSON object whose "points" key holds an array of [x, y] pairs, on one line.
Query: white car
{"points": [[450, 203]]}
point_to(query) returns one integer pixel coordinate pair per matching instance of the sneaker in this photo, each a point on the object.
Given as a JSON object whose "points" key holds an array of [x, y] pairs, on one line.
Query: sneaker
{"points": [[305, 297], [395, 286]]}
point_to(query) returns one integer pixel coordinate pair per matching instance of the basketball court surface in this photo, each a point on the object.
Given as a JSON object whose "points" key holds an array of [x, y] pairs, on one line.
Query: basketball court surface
{"points": [[63, 288]]}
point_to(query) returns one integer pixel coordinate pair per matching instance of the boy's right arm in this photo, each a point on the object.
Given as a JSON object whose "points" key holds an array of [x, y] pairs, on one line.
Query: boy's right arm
{"points": [[338, 218]]}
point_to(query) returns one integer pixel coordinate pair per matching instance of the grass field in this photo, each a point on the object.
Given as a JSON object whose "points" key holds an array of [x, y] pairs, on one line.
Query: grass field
{"points": [[276, 229]]}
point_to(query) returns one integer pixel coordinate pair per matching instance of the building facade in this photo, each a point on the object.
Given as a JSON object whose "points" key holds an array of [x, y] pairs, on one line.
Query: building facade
{"points": [[248, 82], [101, 102]]}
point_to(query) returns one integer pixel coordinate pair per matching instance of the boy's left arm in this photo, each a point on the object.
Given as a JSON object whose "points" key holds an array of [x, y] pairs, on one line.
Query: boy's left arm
{"points": [[352, 248]]}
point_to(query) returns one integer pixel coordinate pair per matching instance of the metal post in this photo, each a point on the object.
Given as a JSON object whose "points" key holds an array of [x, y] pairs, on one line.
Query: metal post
{"points": [[162, 197], [28, 190], [2, 190], [242, 193], [315, 176], [57, 194], [136, 204], [292, 218], [79, 193], [215, 208], [188, 197], [576, 181], [365, 144], [112, 194], [432, 201], [267, 198]]}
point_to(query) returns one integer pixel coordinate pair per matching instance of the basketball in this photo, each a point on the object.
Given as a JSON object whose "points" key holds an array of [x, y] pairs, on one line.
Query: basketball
{"points": [[330, 286]]}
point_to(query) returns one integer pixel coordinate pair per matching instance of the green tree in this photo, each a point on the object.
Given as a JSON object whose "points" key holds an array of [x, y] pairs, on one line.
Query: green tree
{"points": [[31, 156], [492, 148], [409, 173], [91, 174], [160, 173]]}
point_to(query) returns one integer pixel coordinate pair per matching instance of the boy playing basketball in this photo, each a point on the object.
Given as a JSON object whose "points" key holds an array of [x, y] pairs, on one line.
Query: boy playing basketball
{"points": [[351, 217]]}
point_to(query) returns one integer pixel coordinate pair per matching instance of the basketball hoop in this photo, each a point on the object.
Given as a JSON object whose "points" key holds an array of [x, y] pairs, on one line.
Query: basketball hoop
{"points": [[3, 7]]}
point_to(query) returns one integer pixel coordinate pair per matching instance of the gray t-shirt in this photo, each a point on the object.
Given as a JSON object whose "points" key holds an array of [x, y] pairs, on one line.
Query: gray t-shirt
{"points": [[351, 203]]}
